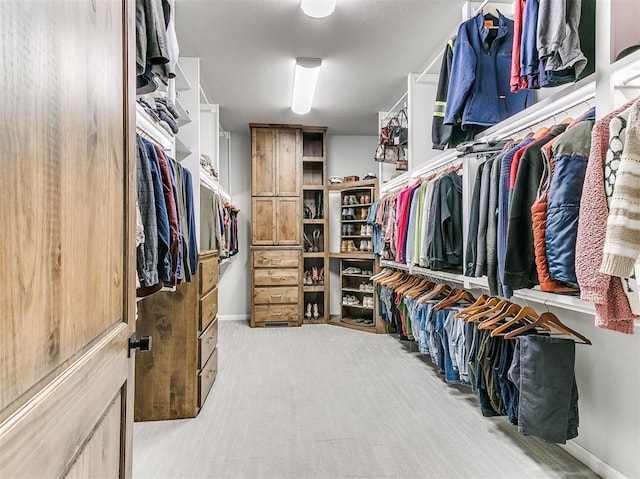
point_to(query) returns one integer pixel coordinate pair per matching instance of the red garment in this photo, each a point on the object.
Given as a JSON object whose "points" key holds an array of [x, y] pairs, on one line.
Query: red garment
{"points": [[402, 221], [517, 82], [514, 165], [172, 213], [539, 218]]}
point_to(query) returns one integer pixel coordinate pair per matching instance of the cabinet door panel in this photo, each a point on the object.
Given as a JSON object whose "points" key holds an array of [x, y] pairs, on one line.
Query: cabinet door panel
{"points": [[288, 162], [262, 221], [288, 221], [263, 162]]}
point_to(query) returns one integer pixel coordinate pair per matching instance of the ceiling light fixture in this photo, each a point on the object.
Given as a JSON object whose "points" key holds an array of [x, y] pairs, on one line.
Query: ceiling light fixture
{"points": [[305, 79], [318, 8]]}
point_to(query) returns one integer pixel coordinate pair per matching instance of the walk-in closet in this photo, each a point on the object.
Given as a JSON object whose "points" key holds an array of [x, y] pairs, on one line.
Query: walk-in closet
{"points": [[320, 239]]}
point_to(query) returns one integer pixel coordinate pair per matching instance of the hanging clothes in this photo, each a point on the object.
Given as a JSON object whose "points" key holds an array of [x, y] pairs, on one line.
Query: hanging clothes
{"points": [[479, 88]]}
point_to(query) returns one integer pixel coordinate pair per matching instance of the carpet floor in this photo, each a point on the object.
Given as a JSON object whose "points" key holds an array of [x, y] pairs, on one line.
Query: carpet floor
{"points": [[326, 402]]}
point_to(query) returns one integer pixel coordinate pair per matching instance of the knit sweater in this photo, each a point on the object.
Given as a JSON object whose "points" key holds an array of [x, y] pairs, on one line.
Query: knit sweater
{"points": [[612, 306], [622, 242]]}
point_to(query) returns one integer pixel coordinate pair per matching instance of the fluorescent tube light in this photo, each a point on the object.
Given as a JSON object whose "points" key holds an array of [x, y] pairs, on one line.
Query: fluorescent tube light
{"points": [[318, 8], [305, 79]]}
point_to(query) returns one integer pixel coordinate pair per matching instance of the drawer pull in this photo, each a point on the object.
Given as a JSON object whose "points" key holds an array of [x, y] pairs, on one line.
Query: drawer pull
{"points": [[210, 373], [279, 313], [276, 260], [277, 278], [211, 339], [273, 296]]}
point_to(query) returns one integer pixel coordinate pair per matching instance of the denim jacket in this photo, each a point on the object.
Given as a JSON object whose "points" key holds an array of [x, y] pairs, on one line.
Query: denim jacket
{"points": [[479, 90]]}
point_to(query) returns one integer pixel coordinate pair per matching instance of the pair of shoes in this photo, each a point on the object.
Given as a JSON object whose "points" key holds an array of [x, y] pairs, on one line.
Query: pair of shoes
{"points": [[312, 310], [366, 230], [319, 197], [308, 245], [348, 246], [364, 212], [350, 200], [367, 302], [367, 272], [352, 270], [320, 276], [350, 301], [365, 199], [348, 230], [366, 287], [366, 245], [364, 320], [316, 241], [349, 214], [307, 278]]}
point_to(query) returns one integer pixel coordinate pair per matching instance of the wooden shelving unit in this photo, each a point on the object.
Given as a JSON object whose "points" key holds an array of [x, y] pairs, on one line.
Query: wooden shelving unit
{"points": [[315, 229]]}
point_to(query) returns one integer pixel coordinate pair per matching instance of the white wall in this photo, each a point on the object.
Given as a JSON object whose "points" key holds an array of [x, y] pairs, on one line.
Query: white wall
{"points": [[346, 155], [235, 282]]}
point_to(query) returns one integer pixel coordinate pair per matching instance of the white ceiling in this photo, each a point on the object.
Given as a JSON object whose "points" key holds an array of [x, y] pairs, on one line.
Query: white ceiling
{"points": [[248, 49]]}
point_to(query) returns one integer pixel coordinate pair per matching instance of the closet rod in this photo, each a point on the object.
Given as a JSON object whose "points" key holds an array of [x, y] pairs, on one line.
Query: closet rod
{"points": [[509, 133], [393, 108], [435, 60], [629, 79]]}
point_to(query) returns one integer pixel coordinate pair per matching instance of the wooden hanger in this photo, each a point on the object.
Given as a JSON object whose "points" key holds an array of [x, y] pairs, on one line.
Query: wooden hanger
{"points": [[439, 290], [421, 289], [487, 312], [540, 132], [552, 320], [480, 303], [456, 296], [507, 311], [525, 316], [470, 311]]}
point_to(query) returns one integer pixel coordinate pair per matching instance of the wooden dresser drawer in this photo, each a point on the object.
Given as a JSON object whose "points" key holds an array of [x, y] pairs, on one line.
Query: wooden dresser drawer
{"points": [[207, 342], [276, 277], [208, 274], [279, 258], [207, 377], [277, 295], [208, 309], [276, 313]]}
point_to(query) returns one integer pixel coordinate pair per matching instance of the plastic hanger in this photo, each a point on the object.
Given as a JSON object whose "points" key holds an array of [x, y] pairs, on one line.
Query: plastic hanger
{"points": [[552, 320]]}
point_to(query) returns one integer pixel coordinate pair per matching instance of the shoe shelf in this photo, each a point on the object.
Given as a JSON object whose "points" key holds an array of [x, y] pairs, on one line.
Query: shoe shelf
{"points": [[356, 290], [358, 306], [354, 221], [315, 226], [357, 205], [357, 236]]}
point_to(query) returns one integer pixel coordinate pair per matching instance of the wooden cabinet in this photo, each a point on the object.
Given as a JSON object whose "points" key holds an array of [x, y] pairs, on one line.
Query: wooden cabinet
{"points": [[174, 378], [275, 221], [277, 291], [275, 159]]}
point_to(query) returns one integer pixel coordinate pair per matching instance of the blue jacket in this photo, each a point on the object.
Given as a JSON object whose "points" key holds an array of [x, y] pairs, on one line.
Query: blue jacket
{"points": [[571, 153], [479, 92]]}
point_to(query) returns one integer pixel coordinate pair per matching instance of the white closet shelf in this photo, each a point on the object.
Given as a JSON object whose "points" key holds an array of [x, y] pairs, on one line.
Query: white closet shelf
{"points": [[209, 182], [572, 303], [182, 82], [626, 66], [182, 149], [146, 125], [396, 182], [184, 114], [564, 99]]}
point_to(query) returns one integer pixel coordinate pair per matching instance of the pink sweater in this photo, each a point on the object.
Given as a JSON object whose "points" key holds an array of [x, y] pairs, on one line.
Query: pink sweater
{"points": [[612, 306]]}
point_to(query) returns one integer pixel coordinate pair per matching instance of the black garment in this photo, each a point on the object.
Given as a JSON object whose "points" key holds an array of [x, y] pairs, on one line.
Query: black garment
{"points": [[520, 269], [446, 247], [472, 236]]}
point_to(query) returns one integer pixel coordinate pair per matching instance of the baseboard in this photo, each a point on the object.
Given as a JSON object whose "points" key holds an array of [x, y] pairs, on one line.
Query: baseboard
{"points": [[592, 462], [234, 317]]}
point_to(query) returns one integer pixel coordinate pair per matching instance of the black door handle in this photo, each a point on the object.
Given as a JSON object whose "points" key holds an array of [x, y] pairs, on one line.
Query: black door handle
{"points": [[143, 344]]}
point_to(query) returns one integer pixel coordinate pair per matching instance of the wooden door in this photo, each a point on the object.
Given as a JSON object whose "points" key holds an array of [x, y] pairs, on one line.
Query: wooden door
{"points": [[67, 236], [288, 221], [263, 162], [263, 217], [288, 162]]}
